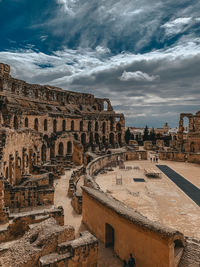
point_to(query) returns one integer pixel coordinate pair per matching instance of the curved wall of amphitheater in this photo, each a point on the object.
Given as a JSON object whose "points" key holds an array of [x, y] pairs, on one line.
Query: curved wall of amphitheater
{"points": [[126, 230]]}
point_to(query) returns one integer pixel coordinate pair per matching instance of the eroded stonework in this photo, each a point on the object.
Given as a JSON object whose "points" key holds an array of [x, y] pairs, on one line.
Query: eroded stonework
{"points": [[45, 130]]}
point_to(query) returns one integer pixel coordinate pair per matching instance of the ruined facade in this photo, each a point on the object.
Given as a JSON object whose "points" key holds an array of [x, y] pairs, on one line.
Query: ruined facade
{"points": [[42, 128], [189, 137]]}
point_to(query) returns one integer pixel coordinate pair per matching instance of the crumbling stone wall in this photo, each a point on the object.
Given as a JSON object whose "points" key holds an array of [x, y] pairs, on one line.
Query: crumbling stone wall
{"points": [[45, 126], [128, 231]]}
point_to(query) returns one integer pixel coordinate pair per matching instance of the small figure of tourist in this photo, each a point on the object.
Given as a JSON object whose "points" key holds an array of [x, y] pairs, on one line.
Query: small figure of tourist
{"points": [[125, 263], [131, 261], [151, 159]]}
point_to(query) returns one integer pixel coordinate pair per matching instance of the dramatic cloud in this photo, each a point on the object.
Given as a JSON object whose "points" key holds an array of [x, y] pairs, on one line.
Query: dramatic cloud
{"points": [[137, 76]]}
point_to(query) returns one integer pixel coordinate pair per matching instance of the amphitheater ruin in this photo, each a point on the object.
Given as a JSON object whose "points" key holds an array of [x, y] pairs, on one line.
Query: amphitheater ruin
{"points": [[73, 193]]}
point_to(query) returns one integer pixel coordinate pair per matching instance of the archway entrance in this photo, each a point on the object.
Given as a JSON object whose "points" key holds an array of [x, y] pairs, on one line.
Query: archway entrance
{"points": [[69, 147], [110, 236], [43, 156], [60, 149]]}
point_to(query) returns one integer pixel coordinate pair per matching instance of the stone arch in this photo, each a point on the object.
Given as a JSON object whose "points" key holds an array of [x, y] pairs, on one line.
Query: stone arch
{"points": [[55, 126], [83, 139], [97, 138], [104, 127], [89, 126], [26, 122], [109, 236], [52, 150], [192, 147], [119, 127], [96, 126], [36, 124], [45, 125], [111, 125], [81, 126], [64, 125], [76, 136], [105, 104], [91, 139], [60, 149], [43, 152], [178, 247], [72, 125], [119, 137], [112, 139], [15, 123], [69, 147]]}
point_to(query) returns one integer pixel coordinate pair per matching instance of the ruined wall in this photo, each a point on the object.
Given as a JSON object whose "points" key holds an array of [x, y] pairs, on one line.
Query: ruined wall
{"points": [[180, 156], [151, 244]]}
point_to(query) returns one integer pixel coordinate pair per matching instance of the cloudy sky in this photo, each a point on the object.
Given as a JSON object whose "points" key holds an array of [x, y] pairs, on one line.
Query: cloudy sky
{"points": [[142, 54]]}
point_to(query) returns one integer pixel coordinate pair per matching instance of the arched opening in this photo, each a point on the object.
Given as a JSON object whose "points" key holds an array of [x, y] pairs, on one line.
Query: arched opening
{"points": [[6, 173], [119, 138], [104, 140], [178, 247], [55, 126], [52, 150], [45, 125], [69, 147], [15, 122], [105, 105], [81, 126], [111, 125], [26, 122], [72, 125], [96, 126], [185, 124], [118, 127], [104, 127], [83, 139], [76, 136], [43, 153], [97, 138], [111, 139], [110, 236], [89, 126], [91, 139], [61, 149], [192, 147], [63, 125], [36, 124]]}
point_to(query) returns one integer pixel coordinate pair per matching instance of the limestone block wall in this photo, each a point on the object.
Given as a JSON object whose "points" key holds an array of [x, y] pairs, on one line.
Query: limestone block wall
{"points": [[20, 223], [180, 156], [40, 240], [129, 232]]}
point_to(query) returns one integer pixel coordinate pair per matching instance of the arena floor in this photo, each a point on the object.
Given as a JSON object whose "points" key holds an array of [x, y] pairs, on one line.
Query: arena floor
{"points": [[159, 199]]}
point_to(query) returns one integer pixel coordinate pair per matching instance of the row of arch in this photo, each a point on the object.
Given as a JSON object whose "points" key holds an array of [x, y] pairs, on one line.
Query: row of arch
{"points": [[45, 125]]}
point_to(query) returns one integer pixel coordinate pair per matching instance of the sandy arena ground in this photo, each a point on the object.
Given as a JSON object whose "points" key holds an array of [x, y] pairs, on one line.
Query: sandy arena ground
{"points": [[158, 199], [106, 257]]}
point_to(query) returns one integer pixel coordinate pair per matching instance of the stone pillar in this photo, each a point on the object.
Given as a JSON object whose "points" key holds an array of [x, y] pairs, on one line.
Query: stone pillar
{"points": [[3, 214]]}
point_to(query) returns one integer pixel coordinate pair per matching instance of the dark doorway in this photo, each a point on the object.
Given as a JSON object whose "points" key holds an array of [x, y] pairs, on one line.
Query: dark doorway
{"points": [[110, 236], [61, 149], [69, 147], [43, 153]]}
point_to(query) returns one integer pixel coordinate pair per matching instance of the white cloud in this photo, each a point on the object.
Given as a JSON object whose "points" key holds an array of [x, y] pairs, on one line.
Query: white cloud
{"points": [[176, 26], [68, 5], [137, 76]]}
